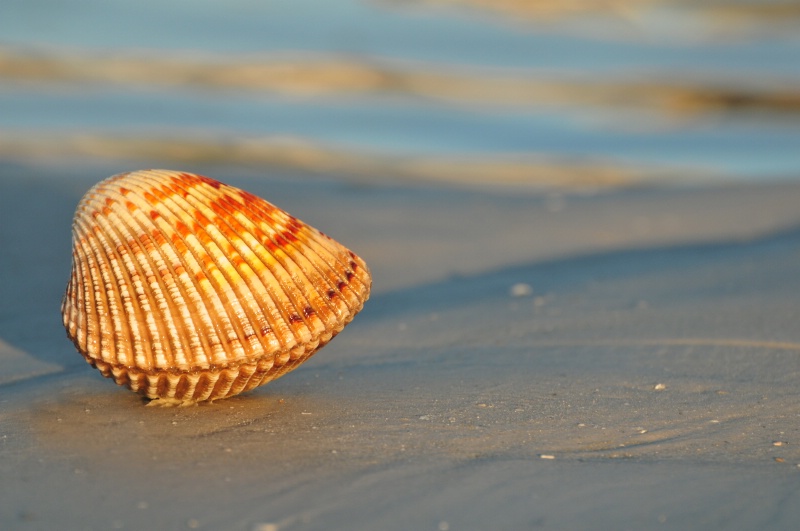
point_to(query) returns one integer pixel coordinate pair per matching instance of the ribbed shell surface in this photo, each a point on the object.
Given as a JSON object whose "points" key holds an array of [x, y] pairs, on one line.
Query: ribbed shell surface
{"points": [[185, 288]]}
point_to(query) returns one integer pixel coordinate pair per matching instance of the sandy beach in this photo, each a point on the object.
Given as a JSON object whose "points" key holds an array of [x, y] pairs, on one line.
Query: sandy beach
{"points": [[582, 224], [625, 359]]}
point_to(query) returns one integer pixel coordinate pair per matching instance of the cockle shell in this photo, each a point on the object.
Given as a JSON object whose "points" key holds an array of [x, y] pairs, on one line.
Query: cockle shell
{"points": [[187, 289]]}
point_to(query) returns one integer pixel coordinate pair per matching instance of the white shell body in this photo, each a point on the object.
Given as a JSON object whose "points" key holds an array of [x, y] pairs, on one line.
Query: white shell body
{"points": [[187, 289]]}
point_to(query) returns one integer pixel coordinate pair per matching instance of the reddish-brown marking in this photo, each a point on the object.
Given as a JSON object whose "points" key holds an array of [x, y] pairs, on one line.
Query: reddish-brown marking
{"points": [[95, 214], [353, 265], [200, 276], [182, 387], [294, 318], [150, 198], [225, 229], [208, 263], [230, 201], [180, 247], [237, 227], [161, 196], [146, 242], [202, 386], [154, 215], [130, 206], [250, 199], [124, 191], [182, 229], [218, 207], [237, 261], [349, 275], [179, 269], [110, 201], [270, 245], [331, 294], [201, 218], [158, 237], [265, 330], [341, 285], [169, 189], [209, 181], [308, 311], [106, 211], [203, 236], [289, 236], [195, 180]]}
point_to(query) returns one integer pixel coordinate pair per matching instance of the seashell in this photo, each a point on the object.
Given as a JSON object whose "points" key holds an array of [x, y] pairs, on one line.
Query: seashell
{"points": [[186, 289]]}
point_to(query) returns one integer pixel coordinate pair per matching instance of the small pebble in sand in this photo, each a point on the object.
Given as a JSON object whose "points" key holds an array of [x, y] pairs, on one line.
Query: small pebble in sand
{"points": [[780, 460], [779, 443], [659, 387], [192, 523], [265, 527], [520, 289], [546, 456]]}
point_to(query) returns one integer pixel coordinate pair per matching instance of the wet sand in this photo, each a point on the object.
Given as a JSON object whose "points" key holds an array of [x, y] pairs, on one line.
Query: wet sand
{"points": [[624, 359]]}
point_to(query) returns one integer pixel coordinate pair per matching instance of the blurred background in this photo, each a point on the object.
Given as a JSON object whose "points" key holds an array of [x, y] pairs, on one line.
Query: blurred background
{"points": [[501, 94]]}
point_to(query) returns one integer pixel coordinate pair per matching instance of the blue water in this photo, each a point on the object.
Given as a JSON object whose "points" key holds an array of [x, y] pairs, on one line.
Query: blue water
{"points": [[735, 145]]}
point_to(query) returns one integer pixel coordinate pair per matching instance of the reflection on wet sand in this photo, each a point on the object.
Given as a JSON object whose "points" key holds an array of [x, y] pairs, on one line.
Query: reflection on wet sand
{"points": [[711, 19], [336, 76], [495, 171]]}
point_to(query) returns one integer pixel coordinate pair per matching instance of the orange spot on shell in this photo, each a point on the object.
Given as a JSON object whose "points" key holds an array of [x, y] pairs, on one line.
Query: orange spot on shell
{"points": [[158, 237], [201, 218], [188, 179], [182, 229]]}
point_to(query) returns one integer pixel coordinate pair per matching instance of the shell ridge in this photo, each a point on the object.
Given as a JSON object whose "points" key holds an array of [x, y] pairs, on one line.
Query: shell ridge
{"points": [[181, 320], [154, 286], [212, 312], [229, 278], [142, 272], [225, 274], [280, 314], [285, 260], [142, 342], [101, 328], [218, 318], [287, 276], [339, 267], [80, 301], [69, 304], [265, 216]]}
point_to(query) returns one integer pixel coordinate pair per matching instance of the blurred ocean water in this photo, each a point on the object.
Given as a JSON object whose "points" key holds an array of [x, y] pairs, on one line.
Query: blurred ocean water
{"points": [[520, 93]]}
